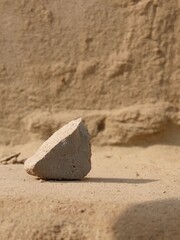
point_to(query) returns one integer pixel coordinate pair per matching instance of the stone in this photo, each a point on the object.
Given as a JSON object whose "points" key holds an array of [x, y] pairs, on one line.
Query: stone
{"points": [[66, 155]]}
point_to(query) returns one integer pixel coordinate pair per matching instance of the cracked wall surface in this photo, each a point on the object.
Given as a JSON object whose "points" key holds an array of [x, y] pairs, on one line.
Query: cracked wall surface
{"points": [[98, 55]]}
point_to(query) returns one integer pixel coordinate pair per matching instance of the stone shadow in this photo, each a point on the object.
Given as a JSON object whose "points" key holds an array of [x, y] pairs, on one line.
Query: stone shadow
{"points": [[105, 180], [119, 180]]}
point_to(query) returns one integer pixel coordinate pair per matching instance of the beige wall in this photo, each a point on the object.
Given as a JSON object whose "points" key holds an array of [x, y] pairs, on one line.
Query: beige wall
{"points": [[90, 55]]}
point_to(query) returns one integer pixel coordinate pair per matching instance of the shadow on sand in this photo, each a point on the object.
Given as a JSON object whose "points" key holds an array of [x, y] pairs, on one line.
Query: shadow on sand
{"points": [[119, 180], [105, 180], [158, 220]]}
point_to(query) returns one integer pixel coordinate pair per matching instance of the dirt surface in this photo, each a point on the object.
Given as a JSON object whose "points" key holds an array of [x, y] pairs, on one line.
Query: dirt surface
{"points": [[131, 193], [116, 64]]}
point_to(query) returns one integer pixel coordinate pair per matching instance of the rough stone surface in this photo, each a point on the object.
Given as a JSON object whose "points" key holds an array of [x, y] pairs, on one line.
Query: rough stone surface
{"points": [[65, 155]]}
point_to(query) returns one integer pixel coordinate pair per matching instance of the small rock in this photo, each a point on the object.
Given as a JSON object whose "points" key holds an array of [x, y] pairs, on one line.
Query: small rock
{"points": [[65, 155], [82, 210], [42, 181]]}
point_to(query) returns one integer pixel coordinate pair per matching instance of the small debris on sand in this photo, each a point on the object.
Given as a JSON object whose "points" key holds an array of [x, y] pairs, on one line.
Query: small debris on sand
{"points": [[12, 159], [64, 156]]}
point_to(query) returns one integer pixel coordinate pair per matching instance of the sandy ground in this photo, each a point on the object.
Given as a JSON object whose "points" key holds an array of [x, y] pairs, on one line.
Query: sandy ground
{"points": [[131, 193], [115, 64]]}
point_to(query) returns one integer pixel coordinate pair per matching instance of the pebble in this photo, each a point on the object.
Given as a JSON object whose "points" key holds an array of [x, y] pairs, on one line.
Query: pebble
{"points": [[66, 155]]}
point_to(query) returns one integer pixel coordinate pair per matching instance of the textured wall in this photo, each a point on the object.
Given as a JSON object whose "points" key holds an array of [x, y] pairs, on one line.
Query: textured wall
{"points": [[88, 55]]}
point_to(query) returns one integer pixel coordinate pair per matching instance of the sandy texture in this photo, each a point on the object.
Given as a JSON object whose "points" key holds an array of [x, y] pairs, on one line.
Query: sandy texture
{"points": [[134, 125], [98, 54], [116, 64], [131, 193]]}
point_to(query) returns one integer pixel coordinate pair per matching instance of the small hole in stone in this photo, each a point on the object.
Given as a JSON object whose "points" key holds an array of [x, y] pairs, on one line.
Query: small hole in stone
{"points": [[101, 125]]}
